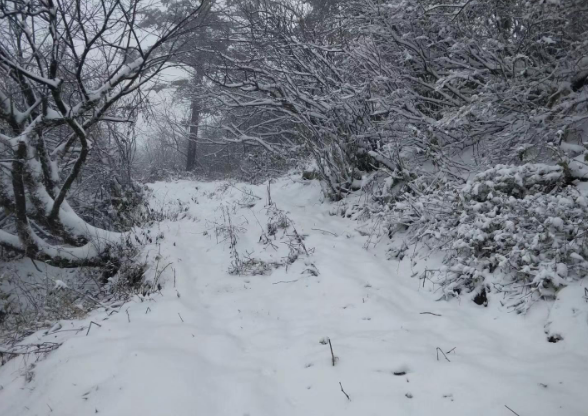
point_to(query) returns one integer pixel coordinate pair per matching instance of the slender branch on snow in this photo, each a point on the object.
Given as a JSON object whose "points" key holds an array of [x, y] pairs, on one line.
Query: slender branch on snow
{"points": [[333, 358], [439, 349], [512, 410], [90, 326], [346, 395]]}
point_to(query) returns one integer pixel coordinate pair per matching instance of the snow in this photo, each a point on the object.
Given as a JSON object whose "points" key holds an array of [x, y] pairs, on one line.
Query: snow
{"points": [[60, 284], [9, 239], [213, 343], [125, 71]]}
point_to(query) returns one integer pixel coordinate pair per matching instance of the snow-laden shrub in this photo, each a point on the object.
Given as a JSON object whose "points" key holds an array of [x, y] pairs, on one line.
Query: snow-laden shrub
{"points": [[516, 181], [521, 231], [112, 204], [32, 298]]}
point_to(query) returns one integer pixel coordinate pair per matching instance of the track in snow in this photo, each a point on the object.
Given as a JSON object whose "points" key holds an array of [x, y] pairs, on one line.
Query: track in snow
{"points": [[223, 345]]}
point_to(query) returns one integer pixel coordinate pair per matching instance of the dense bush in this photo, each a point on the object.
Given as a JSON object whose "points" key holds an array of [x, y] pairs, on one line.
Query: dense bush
{"points": [[521, 230]]}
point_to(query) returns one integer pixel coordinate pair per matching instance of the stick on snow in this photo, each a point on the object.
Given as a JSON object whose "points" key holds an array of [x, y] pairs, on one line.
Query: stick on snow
{"points": [[333, 358], [90, 326], [346, 395], [439, 349]]}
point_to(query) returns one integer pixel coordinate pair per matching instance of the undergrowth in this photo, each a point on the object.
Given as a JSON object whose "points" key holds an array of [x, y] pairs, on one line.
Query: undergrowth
{"points": [[517, 231]]}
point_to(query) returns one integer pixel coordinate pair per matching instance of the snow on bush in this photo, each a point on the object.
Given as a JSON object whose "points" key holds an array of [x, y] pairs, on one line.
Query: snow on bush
{"points": [[516, 230]]}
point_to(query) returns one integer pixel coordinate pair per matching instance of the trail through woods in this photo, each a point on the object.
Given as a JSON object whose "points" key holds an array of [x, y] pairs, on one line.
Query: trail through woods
{"points": [[219, 344]]}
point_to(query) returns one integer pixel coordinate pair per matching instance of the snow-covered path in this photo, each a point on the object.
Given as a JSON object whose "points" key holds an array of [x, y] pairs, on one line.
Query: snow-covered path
{"points": [[217, 344]]}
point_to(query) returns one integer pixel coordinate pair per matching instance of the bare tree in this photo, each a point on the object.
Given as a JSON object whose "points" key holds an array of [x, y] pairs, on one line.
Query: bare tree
{"points": [[194, 59], [284, 77], [69, 67], [398, 85], [498, 77]]}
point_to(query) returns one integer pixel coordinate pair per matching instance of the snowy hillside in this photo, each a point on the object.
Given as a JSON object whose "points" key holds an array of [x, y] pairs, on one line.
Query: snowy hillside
{"points": [[278, 310]]}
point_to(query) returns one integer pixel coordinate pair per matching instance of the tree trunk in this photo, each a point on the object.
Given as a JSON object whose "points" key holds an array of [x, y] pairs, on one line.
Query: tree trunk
{"points": [[193, 136]]}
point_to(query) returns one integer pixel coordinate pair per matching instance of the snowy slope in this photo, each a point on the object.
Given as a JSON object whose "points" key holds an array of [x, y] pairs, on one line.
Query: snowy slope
{"points": [[214, 343]]}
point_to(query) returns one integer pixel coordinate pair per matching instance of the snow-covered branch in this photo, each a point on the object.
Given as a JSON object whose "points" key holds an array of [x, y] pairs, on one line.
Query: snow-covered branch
{"points": [[71, 75]]}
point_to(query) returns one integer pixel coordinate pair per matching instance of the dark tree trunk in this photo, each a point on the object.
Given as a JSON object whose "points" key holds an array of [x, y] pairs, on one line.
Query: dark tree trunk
{"points": [[191, 153], [193, 137], [20, 202]]}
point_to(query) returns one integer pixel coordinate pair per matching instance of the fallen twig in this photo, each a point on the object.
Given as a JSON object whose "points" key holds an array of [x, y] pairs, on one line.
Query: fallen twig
{"points": [[90, 326], [180, 317], [439, 349], [346, 395], [333, 358], [285, 281], [97, 302], [430, 313], [325, 231], [512, 410], [13, 352], [250, 193], [68, 330], [42, 348]]}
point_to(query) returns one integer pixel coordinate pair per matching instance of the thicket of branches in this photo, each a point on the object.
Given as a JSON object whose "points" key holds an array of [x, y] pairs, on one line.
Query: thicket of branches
{"points": [[73, 82], [409, 86], [401, 84], [426, 94]]}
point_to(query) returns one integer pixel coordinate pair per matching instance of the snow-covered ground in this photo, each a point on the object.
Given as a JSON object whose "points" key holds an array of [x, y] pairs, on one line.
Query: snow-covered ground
{"points": [[213, 343]]}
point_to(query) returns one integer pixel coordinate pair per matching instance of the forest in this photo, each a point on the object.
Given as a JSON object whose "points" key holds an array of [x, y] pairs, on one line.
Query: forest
{"points": [[378, 187]]}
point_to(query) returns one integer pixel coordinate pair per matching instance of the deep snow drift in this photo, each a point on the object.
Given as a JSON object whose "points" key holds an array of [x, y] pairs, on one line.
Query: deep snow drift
{"points": [[215, 343]]}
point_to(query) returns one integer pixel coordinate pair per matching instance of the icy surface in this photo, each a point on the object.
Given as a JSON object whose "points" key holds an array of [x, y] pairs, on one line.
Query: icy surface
{"points": [[212, 343]]}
